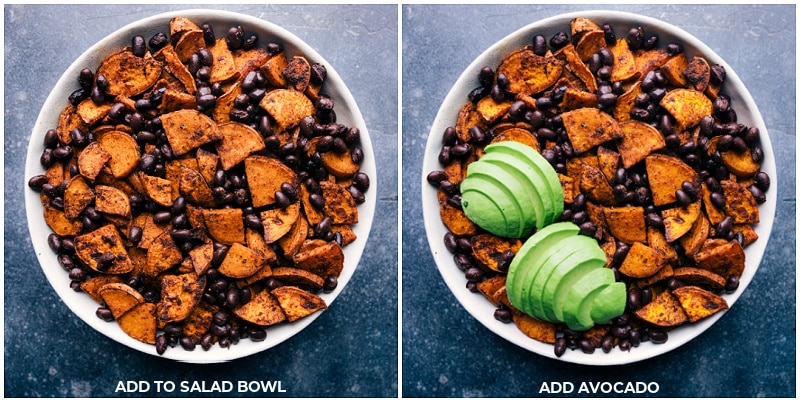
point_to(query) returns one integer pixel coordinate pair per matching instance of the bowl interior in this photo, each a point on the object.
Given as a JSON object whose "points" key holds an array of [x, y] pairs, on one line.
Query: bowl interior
{"points": [[347, 113], [476, 304]]}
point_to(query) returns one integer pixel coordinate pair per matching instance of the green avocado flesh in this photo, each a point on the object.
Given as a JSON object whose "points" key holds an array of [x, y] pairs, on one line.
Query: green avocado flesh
{"points": [[531, 184], [582, 295], [541, 165], [609, 304], [490, 217], [527, 259], [507, 209], [517, 191]]}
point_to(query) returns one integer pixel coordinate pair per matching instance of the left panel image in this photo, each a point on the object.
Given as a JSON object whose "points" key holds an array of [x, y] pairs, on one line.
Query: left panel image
{"points": [[201, 201]]}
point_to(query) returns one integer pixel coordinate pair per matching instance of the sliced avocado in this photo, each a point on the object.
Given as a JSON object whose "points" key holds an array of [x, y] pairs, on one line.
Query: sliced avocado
{"points": [[517, 189], [506, 206], [549, 259], [546, 284], [609, 304], [540, 164], [579, 300], [489, 216], [529, 182], [527, 259]]}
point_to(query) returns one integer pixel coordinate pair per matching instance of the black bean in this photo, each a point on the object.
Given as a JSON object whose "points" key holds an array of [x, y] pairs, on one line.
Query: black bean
{"points": [[635, 337], [588, 228], [732, 284], [539, 45], [234, 37], [607, 100], [634, 298], [559, 40], [502, 315], [358, 196], [104, 313], [474, 274], [560, 346], [330, 284], [650, 43], [206, 102], [658, 336], [724, 226], [607, 344], [317, 201], [762, 181], [757, 194], [187, 343], [757, 154], [682, 198], [654, 220], [586, 346]]}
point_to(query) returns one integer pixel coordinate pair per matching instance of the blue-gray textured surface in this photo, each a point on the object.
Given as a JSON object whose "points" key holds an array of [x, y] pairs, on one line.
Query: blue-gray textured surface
{"points": [[748, 353], [350, 351]]}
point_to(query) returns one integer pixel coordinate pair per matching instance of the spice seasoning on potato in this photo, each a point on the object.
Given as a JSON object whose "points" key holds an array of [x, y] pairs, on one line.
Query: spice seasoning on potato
{"points": [[651, 164], [184, 176]]}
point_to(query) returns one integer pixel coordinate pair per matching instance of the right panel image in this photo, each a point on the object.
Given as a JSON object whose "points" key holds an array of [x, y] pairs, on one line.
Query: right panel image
{"points": [[598, 200]]}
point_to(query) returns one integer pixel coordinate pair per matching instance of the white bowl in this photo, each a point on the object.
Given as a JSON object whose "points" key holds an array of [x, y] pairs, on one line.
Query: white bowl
{"points": [[82, 305], [476, 304]]}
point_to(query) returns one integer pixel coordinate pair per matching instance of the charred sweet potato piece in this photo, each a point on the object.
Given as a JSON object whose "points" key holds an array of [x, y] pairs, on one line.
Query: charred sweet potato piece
{"points": [[265, 176], [180, 294], [157, 189], [103, 250], [666, 174], [740, 204], [699, 277], [520, 135], [698, 73], [92, 286], [110, 200], [68, 120], [201, 257], [699, 303], [224, 67], [724, 260], [339, 203], [77, 195], [199, 321], [589, 127], [595, 186], [287, 107], [174, 66], [642, 261], [90, 112], [140, 323], [687, 106], [624, 66], [237, 142], [664, 310], [273, 69], [129, 75], [679, 220], [626, 223], [194, 188], [278, 222], [324, 259], [590, 43], [491, 286], [120, 298], [225, 225], [292, 241], [162, 255], [638, 141], [456, 221], [263, 310], [468, 116], [298, 277], [693, 240], [673, 70], [656, 240], [740, 164], [543, 331], [297, 73], [626, 102], [189, 129], [92, 159], [241, 261], [189, 43], [530, 73], [575, 65], [489, 249], [296, 303], [222, 110], [491, 110]]}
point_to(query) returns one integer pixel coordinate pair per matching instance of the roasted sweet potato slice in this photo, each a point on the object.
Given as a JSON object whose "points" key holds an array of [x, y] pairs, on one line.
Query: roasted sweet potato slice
{"points": [[624, 66], [92, 159], [265, 176], [749, 234], [642, 261], [222, 110], [693, 240], [174, 65], [68, 120], [225, 225], [724, 260], [589, 127], [278, 222], [491, 286], [666, 174], [180, 25], [687, 106], [237, 142], [576, 66], [491, 110], [110, 200], [157, 189], [58, 221], [140, 323], [162, 255], [325, 259], [129, 75], [92, 286], [120, 298], [699, 303], [339, 204], [590, 43], [188, 129], [287, 107], [638, 141], [201, 257], [199, 321], [580, 26], [595, 186], [103, 250], [608, 161], [529, 73], [297, 73], [740, 204], [649, 60], [263, 310], [679, 220], [520, 135], [468, 116], [664, 310], [224, 67], [298, 277], [698, 73], [740, 164], [626, 223], [626, 101], [241, 262], [180, 294], [194, 188], [292, 241], [542, 331], [656, 240], [90, 112], [296, 303], [273, 69], [673, 70], [189, 43], [77, 195], [699, 277], [489, 249]]}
